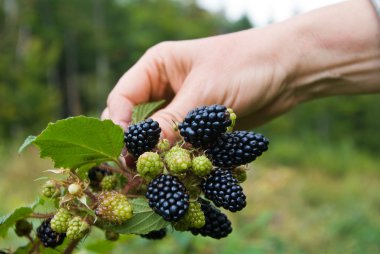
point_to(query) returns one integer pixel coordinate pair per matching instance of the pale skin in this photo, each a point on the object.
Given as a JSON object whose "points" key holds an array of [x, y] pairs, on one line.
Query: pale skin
{"points": [[260, 73]]}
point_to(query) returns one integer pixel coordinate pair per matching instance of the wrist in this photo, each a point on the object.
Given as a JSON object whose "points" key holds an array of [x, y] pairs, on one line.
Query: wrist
{"points": [[336, 51]]}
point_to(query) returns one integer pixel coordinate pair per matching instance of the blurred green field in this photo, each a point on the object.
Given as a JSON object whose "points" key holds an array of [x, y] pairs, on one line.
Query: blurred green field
{"points": [[303, 197]]}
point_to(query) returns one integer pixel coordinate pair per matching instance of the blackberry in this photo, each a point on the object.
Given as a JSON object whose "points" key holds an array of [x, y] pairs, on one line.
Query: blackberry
{"points": [[155, 234], [167, 197], [142, 137], [60, 221], [48, 237], [149, 165], [203, 125], [77, 228], [194, 218], [109, 182], [178, 160], [224, 190], [217, 225], [201, 166], [114, 207], [237, 148], [23, 227], [240, 174], [96, 175], [50, 190]]}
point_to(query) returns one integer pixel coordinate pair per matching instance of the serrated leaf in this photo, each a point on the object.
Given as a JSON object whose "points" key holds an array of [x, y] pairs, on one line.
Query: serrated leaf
{"points": [[142, 111], [10, 219], [78, 141], [143, 221], [29, 140]]}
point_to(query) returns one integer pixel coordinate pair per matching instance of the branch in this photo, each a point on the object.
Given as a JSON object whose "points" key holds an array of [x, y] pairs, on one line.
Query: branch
{"points": [[41, 215], [71, 246]]}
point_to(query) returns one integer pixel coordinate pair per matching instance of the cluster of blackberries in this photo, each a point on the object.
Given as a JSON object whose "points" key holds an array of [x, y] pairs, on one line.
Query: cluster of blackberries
{"points": [[175, 176]]}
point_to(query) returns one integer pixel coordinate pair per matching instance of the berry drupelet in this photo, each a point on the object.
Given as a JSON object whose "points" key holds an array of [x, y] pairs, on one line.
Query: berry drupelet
{"points": [[217, 225], [237, 148], [167, 197], [224, 190], [142, 137], [203, 125], [48, 237]]}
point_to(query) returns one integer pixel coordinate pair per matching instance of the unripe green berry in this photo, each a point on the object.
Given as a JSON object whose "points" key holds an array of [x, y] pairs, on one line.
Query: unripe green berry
{"points": [[49, 190], [75, 189], [149, 165], [109, 182], [233, 119], [240, 174], [111, 236], [194, 218], [201, 166], [163, 145], [23, 228], [114, 207], [178, 160], [77, 228], [60, 221]]}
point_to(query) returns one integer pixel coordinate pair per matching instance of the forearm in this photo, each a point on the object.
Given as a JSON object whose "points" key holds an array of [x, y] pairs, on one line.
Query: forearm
{"points": [[336, 51]]}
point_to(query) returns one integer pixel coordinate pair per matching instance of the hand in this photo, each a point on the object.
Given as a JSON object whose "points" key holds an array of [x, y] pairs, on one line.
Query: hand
{"points": [[260, 73]]}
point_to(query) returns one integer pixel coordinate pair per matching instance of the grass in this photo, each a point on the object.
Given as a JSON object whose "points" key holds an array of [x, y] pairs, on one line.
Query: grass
{"points": [[302, 198]]}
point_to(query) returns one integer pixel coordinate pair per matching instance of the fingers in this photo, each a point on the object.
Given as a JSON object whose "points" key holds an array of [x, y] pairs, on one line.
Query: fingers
{"points": [[145, 81]]}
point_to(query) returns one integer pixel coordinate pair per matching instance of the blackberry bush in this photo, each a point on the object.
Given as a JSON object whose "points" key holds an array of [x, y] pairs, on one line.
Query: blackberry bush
{"points": [[133, 183], [237, 148], [142, 137], [217, 225], [224, 190], [203, 125], [167, 197]]}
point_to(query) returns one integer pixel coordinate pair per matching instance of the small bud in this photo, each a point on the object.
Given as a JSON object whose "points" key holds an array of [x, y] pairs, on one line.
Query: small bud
{"points": [[112, 236], [23, 228], [74, 189]]}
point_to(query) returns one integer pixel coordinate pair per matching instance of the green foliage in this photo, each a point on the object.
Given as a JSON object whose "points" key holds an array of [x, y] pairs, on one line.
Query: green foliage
{"points": [[143, 111], [143, 221], [9, 220], [79, 141], [28, 141]]}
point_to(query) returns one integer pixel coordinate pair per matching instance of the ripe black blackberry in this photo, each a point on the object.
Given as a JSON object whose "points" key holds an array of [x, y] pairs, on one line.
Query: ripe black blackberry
{"points": [[203, 125], [142, 137], [237, 148], [217, 225], [224, 190], [167, 197], [155, 234], [48, 237]]}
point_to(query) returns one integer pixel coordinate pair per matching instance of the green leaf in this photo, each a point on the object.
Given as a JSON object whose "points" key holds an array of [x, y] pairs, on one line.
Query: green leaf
{"points": [[78, 141], [29, 140], [9, 220], [142, 111], [143, 221]]}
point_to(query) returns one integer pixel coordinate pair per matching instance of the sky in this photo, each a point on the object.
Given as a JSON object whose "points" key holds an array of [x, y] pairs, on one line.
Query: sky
{"points": [[262, 11]]}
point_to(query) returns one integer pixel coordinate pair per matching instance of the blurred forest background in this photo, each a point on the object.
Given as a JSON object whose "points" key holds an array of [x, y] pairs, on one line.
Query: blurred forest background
{"points": [[316, 191]]}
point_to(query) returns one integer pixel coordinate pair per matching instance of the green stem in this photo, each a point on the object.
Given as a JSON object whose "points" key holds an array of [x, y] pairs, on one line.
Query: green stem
{"points": [[41, 215]]}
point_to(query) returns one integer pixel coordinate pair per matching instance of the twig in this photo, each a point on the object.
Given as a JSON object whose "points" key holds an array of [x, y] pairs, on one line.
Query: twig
{"points": [[41, 215], [30, 238], [116, 170], [71, 246]]}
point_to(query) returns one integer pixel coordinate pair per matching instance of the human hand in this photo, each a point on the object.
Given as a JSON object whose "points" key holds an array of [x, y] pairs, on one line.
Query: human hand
{"points": [[260, 73]]}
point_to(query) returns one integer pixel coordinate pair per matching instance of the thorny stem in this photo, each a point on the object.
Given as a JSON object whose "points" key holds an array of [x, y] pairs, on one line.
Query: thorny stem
{"points": [[41, 215], [71, 246]]}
